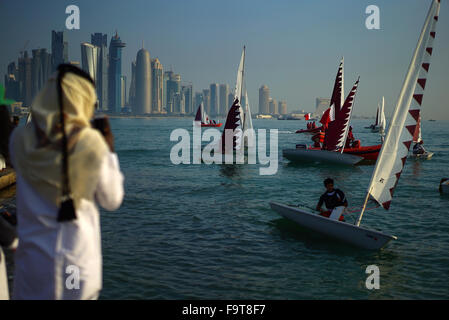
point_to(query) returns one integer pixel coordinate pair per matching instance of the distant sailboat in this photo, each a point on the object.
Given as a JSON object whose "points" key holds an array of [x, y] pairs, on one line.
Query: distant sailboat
{"points": [[201, 118], [392, 157], [239, 116], [379, 125]]}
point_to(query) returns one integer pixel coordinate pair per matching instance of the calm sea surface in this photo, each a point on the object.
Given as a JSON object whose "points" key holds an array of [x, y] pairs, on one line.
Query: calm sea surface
{"points": [[207, 231]]}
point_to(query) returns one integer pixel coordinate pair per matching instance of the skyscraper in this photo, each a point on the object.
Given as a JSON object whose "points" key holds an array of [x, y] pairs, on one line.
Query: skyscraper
{"points": [[214, 100], [132, 86], [59, 48], [273, 106], [143, 83], [101, 41], [264, 96], [12, 85], [173, 87], [282, 107], [206, 101], [157, 85], [40, 70], [231, 98], [187, 92], [25, 79], [123, 93], [224, 99], [198, 100], [115, 74], [89, 59]]}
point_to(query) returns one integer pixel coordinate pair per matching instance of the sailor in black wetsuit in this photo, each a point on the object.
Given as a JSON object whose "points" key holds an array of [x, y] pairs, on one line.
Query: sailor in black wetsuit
{"points": [[418, 148], [332, 198]]}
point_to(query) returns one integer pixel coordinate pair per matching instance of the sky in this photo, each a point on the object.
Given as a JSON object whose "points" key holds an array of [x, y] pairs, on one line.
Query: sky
{"points": [[293, 46]]}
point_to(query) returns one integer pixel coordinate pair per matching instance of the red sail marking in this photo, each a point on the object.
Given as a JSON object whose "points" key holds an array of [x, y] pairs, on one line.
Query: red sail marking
{"points": [[411, 129], [414, 113], [429, 50], [336, 93], [422, 82], [386, 205], [426, 66], [407, 144], [418, 98], [436, 18], [432, 34]]}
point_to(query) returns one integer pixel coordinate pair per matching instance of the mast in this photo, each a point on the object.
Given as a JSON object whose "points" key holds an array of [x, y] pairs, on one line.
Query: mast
{"points": [[395, 148]]}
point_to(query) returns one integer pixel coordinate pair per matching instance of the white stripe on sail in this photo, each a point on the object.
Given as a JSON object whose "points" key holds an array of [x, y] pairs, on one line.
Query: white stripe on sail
{"points": [[397, 142]]}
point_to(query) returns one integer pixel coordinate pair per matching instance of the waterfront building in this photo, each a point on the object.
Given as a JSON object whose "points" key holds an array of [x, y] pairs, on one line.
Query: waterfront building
{"points": [[101, 41], [214, 100], [224, 99], [264, 96], [157, 85], [59, 49], [115, 74], [143, 83]]}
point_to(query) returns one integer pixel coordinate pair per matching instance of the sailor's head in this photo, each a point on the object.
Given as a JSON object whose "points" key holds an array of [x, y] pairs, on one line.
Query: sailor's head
{"points": [[350, 128], [329, 184], [421, 142]]}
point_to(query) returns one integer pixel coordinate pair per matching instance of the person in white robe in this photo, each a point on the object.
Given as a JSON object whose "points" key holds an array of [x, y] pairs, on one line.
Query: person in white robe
{"points": [[62, 260]]}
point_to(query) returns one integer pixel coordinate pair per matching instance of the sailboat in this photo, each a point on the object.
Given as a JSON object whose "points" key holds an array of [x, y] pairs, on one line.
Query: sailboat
{"points": [[202, 118], [392, 157], [336, 102], [379, 125], [239, 115], [417, 139]]}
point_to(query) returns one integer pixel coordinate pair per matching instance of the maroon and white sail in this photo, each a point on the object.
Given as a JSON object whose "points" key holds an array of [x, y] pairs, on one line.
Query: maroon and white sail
{"points": [[397, 142], [201, 115], [337, 98], [232, 123], [337, 131]]}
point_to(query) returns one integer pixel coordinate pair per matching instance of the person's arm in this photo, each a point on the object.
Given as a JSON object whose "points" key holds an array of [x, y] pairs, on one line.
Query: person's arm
{"points": [[320, 203], [110, 191], [343, 197]]}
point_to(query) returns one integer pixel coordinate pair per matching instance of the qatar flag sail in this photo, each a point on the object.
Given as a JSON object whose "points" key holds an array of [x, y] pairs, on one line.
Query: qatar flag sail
{"points": [[382, 120], [238, 92], [337, 98], [337, 130], [397, 142]]}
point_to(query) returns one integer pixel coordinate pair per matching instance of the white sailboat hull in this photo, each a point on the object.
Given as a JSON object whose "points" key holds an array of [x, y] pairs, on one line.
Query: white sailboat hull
{"points": [[424, 156], [349, 233], [310, 155]]}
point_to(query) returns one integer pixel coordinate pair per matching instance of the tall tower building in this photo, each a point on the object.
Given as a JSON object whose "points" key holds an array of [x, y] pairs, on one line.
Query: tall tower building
{"points": [[231, 98], [25, 79], [132, 86], [40, 70], [157, 85], [198, 100], [206, 101], [101, 41], [282, 107], [59, 49], [214, 100], [123, 93], [173, 87], [115, 74], [89, 59], [224, 99], [187, 92], [273, 106], [143, 83], [264, 96]]}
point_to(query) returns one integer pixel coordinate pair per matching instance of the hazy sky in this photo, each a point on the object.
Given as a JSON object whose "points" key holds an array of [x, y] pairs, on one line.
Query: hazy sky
{"points": [[293, 46]]}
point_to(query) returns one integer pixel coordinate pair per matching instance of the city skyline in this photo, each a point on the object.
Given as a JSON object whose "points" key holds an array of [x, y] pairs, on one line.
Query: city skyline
{"points": [[298, 65]]}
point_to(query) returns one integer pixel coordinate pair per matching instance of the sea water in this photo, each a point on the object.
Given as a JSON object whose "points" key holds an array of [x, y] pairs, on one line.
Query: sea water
{"points": [[207, 231]]}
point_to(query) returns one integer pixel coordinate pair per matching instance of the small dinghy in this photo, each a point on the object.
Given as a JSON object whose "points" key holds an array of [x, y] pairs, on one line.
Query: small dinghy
{"points": [[392, 157], [302, 154]]}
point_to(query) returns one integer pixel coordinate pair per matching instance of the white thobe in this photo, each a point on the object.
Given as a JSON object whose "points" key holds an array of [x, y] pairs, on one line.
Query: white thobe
{"points": [[57, 260]]}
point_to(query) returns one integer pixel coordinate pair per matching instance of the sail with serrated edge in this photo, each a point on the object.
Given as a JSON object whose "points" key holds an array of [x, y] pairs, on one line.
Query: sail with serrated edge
{"points": [[395, 148]]}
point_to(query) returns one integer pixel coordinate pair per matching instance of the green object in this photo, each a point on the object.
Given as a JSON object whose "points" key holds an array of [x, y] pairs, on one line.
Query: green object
{"points": [[4, 101]]}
